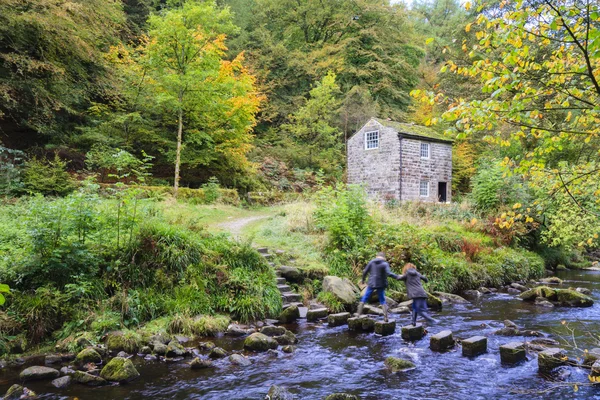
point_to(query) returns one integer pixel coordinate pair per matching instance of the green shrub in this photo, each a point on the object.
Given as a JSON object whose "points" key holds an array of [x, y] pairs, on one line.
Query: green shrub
{"points": [[211, 190], [331, 302], [118, 165], [207, 325], [48, 177], [105, 322], [11, 171]]}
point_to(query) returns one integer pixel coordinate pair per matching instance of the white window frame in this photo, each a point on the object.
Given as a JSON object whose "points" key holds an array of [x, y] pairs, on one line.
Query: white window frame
{"points": [[371, 140], [428, 150], [421, 187]]}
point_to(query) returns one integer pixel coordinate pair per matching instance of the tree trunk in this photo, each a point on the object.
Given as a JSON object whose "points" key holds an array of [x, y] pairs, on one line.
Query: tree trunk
{"points": [[178, 154]]}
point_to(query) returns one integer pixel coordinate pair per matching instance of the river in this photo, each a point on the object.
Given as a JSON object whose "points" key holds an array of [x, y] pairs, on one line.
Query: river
{"points": [[329, 360]]}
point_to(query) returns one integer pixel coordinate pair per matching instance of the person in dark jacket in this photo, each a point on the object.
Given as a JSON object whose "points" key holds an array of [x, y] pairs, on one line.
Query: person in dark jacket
{"points": [[378, 270], [415, 292]]}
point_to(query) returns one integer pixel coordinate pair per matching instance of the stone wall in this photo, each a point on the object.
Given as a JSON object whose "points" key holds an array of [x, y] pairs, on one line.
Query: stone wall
{"points": [[378, 169], [437, 168]]}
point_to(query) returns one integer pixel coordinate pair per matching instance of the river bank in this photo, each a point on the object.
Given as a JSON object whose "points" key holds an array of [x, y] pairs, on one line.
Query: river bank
{"points": [[328, 360]]}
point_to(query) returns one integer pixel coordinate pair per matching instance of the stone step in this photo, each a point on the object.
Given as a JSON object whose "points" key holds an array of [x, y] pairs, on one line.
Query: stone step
{"points": [[551, 358], [412, 333], [512, 353], [361, 324], [316, 314], [474, 346], [284, 288], [385, 328], [441, 341], [281, 281], [338, 319], [293, 303], [291, 297], [263, 250]]}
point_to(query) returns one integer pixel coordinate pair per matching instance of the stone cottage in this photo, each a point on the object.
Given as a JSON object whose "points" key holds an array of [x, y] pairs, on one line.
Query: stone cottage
{"points": [[401, 161]]}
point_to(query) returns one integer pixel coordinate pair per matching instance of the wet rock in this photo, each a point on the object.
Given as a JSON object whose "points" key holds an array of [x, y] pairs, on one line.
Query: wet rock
{"points": [[38, 373], [553, 280], [540, 291], [412, 333], [441, 341], [272, 353], [385, 328], [217, 353], [551, 358], [16, 392], [288, 349], [159, 348], [400, 310], [591, 357], [343, 289], [206, 346], [236, 330], [291, 274], [150, 357], [512, 353], [507, 331], [278, 393], [287, 338], [52, 359], [160, 338], [595, 373], [450, 298], [67, 371], [341, 396], [145, 350], [475, 294], [62, 382], [572, 298], [174, 349], [290, 314], [433, 302], [541, 302], [88, 355], [88, 379], [199, 363], [518, 286], [484, 290], [395, 364], [474, 346], [338, 319], [585, 291], [273, 330], [369, 309], [513, 291], [316, 314], [120, 370], [531, 333], [123, 354], [259, 342], [237, 359]]}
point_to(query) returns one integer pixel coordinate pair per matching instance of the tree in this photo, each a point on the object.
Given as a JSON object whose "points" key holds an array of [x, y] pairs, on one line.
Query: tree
{"points": [[186, 78], [539, 68], [313, 125]]}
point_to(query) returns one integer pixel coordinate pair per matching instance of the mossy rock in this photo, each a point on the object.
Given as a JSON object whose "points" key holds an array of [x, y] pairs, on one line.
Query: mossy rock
{"points": [[398, 364], [198, 363], [128, 342], [38, 373], [287, 338], [290, 314], [88, 355], [16, 392], [341, 396], [553, 280], [259, 342], [434, 302], [572, 298], [279, 393], [88, 379], [540, 291], [175, 349], [120, 370]]}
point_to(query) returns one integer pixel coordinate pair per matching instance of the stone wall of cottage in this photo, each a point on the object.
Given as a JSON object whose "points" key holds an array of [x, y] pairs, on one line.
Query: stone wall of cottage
{"points": [[437, 168], [378, 169]]}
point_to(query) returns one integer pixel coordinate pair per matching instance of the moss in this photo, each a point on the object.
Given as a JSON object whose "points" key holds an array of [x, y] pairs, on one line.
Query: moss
{"points": [[433, 302], [119, 369], [540, 291], [552, 280], [75, 343], [210, 325], [88, 356], [398, 364], [128, 341], [572, 298], [259, 342]]}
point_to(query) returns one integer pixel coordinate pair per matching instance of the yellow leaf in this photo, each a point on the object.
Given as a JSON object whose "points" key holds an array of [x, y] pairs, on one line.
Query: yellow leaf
{"points": [[468, 5], [575, 388], [468, 27]]}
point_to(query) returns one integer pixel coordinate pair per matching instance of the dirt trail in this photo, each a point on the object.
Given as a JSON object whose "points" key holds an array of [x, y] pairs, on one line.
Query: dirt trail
{"points": [[235, 226]]}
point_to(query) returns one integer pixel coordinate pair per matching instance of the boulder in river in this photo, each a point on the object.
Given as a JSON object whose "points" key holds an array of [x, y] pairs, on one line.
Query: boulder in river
{"points": [[540, 291], [450, 298], [395, 364], [88, 379], [237, 359], [175, 349], [553, 280], [279, 393], [518, 286], [551, 358], [199, 363], [88, 355], [585, 291], [433, 302], [441, 341], [474, 294], [290, 314], [16, 392], [343, 289], [287, 338], [217, 353], [62, 382], [159, 348], [315, 314], [271, 330], [38, 373], [259, 342], [341, 396], [120, 370], [591, 357], [573, 298], [236, 330], [338, 319]]}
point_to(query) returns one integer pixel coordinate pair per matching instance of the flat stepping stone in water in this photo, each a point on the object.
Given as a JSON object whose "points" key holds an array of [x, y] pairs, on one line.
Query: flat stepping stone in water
{"points": [[551, 358], [385, 328], [361, 324], [441, 341], [338, 319], [474, 346], [512, 353], [314, 315], [412, 333]]}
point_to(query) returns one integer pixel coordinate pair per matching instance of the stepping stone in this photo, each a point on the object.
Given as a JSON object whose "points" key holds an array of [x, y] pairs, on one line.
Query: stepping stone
{"points": [[314, 315], [385, 328], [284, 288], [551, 358], [291, 297], [281, 281], [412, 333], [338, 319], [361, 324], [474, 346], [441, 341], [263, 250], [512, 353]]}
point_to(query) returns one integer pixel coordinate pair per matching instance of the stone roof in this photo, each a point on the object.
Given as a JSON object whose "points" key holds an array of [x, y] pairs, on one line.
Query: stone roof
{"points": [[414, 130]]}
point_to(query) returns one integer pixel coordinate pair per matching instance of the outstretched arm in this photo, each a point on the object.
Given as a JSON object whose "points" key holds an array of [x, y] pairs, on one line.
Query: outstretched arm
{"points": [[389, 272], [423, 278], [365, 272], [402, 278]]}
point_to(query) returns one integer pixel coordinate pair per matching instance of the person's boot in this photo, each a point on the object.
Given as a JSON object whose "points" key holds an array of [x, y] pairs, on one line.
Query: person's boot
{"points": [[414, 318], [430, 320], [360, 309], [385, 312]]}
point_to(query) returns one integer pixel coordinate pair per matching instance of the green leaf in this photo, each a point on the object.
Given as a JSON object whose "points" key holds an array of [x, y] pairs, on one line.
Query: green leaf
{"points": [[4, 288]]}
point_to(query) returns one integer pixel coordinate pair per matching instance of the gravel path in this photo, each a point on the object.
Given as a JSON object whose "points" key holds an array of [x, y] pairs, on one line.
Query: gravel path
{"points": [[235, 226]]}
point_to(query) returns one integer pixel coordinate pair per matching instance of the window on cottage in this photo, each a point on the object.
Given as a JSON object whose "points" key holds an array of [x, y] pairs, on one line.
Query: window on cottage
{"points": [[371, 140], [424, 150], [424, 189]]}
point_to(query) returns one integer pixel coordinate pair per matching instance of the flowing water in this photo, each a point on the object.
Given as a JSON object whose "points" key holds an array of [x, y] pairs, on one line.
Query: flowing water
{"points": [[330, 360]]}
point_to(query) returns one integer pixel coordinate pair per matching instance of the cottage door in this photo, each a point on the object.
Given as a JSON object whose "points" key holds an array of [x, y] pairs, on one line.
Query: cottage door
{"points": [[442, 192]]}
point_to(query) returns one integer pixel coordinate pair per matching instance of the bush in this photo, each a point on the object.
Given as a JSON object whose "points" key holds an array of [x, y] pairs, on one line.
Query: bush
{"points": [[48, 177], [491, 188], [11, 171], [118, 165]]}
